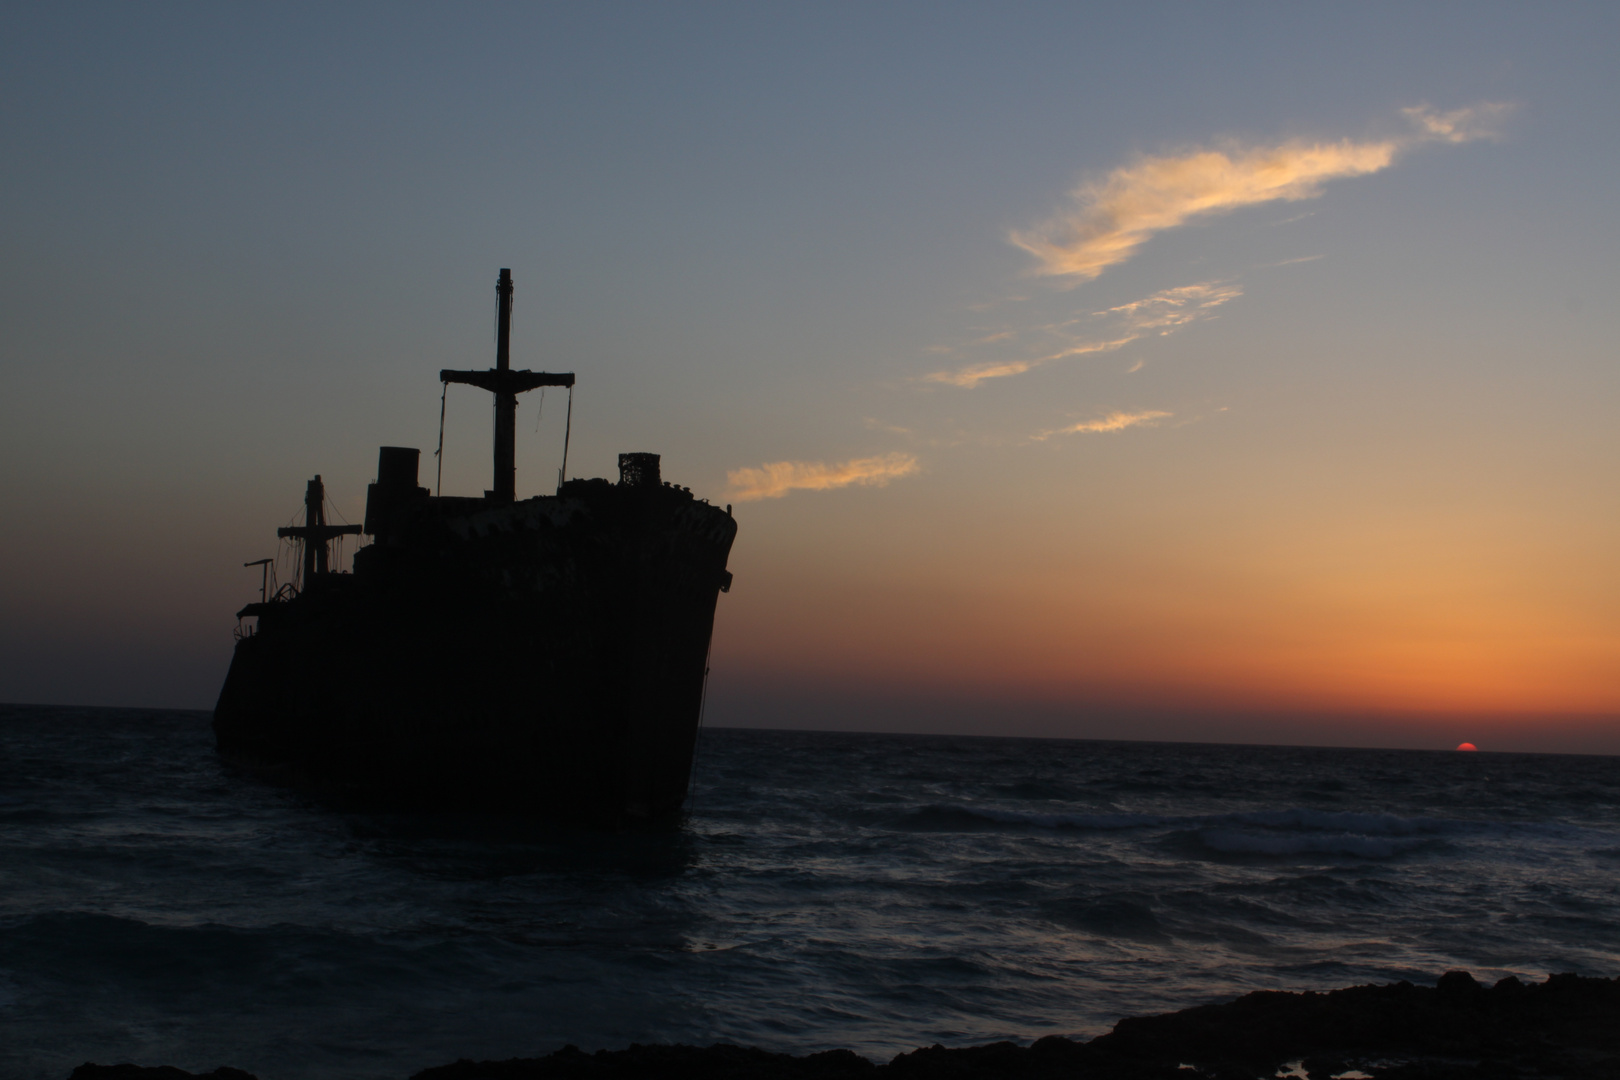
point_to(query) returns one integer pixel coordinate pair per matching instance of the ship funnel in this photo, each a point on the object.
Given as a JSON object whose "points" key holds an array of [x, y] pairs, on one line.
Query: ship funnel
{"points": [[638, 470], [395, 486], [396, 467]]}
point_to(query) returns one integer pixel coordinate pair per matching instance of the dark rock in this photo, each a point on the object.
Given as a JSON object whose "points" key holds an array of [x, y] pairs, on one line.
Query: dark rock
{"points": [[1567, 1026], [721, 1061]]}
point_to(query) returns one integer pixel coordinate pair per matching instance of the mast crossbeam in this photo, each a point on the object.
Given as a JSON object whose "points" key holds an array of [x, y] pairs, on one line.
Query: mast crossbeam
{"points": [[506, 385], [315, 533]]}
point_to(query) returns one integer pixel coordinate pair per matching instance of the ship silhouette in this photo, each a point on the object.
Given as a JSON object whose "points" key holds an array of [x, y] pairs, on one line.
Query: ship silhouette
{"points": [[545, 655]]}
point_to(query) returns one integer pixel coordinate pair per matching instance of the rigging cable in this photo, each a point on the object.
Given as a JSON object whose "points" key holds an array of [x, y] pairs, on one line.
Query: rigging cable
{"points": [[358, 544], [438, 485], [291, 544], [568, 430]]}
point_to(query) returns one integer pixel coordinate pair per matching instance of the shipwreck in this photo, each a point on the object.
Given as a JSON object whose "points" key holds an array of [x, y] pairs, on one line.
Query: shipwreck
{"points": [[544, 655]]}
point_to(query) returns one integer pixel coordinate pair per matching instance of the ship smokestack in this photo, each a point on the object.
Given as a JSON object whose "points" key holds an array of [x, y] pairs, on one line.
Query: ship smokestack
{"points": [[638, 470], [397, 467], [395, 486]]}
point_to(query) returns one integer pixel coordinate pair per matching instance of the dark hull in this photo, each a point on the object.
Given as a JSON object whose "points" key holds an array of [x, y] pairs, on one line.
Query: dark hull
{"points": [[546, 656]]}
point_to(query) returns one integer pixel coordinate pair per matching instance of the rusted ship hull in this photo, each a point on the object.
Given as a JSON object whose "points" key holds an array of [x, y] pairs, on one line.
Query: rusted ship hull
{"points": [[546, 656]]}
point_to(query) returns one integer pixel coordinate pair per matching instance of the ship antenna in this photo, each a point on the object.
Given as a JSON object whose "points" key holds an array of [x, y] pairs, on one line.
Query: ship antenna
{"points": [[264, 577]]}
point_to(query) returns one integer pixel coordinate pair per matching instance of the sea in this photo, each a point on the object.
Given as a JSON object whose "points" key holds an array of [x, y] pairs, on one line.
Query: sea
{"points": [[877, 892]]}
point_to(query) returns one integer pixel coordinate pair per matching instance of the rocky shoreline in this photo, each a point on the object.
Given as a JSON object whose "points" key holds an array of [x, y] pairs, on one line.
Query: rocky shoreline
{"points": [[1566, 1028]]}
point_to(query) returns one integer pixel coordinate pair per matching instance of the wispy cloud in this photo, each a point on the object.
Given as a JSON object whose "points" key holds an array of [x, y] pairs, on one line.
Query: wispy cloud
{"points": [[971, 376], [1459, 125], [1164, 312], [1170, 309], [1289, 262], [776, 479], [1109, 219], [1114, 421]]}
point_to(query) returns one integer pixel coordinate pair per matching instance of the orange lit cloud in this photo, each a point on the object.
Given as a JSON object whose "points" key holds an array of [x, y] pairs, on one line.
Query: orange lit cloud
{"points": [[776, 479], [1114, 421], [1118, 215], [1111, 218]]}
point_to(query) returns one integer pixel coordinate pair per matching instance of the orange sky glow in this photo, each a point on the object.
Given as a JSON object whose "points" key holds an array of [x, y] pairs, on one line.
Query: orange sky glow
{"points": [[1204, 388]]}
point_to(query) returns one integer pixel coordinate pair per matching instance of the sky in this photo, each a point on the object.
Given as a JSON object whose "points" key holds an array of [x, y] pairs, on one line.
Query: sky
{"points": [[1239, 372]]}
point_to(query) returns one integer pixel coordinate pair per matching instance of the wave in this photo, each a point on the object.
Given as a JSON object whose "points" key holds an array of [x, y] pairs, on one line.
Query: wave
{"points": [[1113, 917], [1349, 821], [1281, 832], [1239, 842], [957, 818]]}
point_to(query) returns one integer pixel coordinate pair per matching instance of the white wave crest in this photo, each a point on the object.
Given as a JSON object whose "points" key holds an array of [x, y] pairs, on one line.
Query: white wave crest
{"points": [[1032, 819]]}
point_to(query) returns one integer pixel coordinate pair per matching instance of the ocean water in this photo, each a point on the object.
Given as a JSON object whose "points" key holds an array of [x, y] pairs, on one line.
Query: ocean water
{"points": [[878, 892]]}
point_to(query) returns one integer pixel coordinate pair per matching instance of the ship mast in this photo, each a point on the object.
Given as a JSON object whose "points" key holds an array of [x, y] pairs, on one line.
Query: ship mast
{"points": [[315, 532], [506, 385]]}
